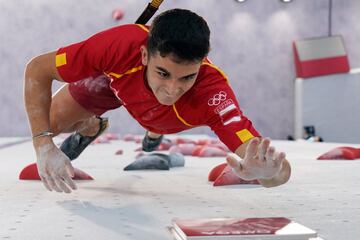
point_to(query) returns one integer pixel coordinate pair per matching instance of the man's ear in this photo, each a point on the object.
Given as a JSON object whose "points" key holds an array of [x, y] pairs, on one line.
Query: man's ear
{"points": [[144, 55]]}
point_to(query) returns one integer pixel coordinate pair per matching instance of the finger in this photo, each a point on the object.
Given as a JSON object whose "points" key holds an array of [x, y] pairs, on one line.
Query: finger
{"points": [[262, 149], [70, 169], [233, 162], [270, 155], [279, 159], [52, 184], [45, 183], [60, 183], [69, 181], [251, 149]]}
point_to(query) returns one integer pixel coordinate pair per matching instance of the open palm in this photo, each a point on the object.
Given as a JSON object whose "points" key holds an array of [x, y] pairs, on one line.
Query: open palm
{"points": [[261, 161]]}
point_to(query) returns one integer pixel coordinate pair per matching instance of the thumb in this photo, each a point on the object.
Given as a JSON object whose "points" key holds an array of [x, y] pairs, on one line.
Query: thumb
{"points": [[70, 169]]}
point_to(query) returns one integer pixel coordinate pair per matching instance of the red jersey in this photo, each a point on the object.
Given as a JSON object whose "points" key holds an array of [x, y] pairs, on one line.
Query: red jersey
{"points": [[116, 54]]}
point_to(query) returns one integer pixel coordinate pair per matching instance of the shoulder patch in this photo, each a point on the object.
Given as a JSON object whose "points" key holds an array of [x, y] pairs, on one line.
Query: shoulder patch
{"points": [[60, 60]]}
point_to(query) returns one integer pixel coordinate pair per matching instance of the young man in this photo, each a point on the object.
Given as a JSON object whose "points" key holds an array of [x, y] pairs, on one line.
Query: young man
{"points": [[161, 76]]}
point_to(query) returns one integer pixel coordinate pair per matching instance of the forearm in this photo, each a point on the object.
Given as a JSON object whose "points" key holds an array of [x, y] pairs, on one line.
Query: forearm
{"points": [[282, 177], [37, 97]]}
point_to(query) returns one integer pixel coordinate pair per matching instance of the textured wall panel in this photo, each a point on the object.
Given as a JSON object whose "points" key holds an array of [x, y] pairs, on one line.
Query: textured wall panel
{"points": [[251, 42]]}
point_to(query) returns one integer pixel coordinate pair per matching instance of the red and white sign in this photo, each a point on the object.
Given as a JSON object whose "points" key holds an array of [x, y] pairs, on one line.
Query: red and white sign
{"points": [[320, 56], [241, 228]]}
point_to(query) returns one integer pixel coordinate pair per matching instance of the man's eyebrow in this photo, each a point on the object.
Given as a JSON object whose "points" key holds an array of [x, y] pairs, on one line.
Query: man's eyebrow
{"points": [[163, 70], [167, 72], [190, 75]]}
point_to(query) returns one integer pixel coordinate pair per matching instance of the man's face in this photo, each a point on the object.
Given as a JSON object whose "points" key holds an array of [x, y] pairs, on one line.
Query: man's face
{"points": [[168, 79]]}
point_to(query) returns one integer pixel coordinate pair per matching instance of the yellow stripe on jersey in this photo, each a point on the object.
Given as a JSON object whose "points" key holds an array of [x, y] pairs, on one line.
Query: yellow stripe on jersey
{"points": [[180, 118], [135, 69], [60, 60], [244, 135], [143, 27], [117, 75], [217, 69], [112, 74]]}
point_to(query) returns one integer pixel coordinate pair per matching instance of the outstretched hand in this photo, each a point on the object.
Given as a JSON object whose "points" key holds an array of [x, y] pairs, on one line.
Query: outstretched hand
{"points": [[261, 161]]}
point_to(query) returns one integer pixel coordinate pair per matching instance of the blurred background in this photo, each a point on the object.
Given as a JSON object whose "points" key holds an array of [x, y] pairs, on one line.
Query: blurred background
{"points": [[251, 41]]}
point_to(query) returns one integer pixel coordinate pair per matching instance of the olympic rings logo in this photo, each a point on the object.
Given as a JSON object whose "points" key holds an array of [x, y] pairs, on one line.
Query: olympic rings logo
{"points": [[217, 98]]}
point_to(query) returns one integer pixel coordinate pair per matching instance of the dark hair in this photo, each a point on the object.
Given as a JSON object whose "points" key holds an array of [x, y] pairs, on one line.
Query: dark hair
{"points": [[181, 33]]}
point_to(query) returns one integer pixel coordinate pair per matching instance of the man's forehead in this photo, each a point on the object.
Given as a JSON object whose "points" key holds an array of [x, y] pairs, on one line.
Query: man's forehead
{"points": [[171, 66], [172, 58]]}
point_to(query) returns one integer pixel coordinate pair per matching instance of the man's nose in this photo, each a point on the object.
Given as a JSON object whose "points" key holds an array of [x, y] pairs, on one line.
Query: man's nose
{"points": [[172, 86]]}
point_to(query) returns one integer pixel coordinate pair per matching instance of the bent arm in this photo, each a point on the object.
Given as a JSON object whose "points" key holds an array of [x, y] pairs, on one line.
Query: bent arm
{"points": [[39, 74]]}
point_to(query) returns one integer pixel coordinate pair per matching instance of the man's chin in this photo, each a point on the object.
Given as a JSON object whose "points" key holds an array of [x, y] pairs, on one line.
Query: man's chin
{"points": [[167, 102]]}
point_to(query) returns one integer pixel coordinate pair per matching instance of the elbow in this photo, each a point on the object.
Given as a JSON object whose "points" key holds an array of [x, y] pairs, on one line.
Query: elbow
{"points": [[35, 79], [41, 69], [29, 72], [37, 73], [31, 67]]}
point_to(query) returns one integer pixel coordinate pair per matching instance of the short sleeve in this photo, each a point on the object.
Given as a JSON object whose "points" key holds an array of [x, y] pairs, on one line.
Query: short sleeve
{"points": [[99, 53], [81, 60]]}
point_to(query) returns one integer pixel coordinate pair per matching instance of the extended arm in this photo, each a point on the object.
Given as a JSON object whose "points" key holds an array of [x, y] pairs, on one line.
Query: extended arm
{"points": [[54, 167]]}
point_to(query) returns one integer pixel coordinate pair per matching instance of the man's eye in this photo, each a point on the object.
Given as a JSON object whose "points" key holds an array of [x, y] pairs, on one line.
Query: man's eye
{"points": [[162, 74], [189, 78]]}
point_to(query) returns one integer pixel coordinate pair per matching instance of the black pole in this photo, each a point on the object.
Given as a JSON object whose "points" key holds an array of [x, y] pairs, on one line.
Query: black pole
{"points": [[146, 14]]}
